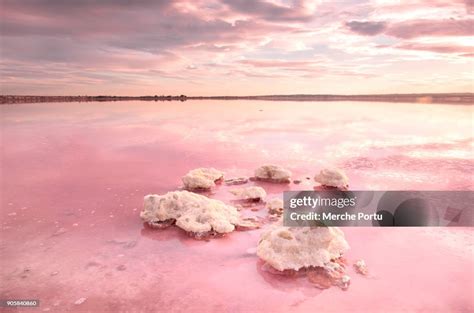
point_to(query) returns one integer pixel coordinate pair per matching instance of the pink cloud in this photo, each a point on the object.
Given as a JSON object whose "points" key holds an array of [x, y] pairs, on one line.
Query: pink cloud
{"points": [[437, 28], [366, 28], [463, 50], [414, 28], [277, 63], [298, 11]]}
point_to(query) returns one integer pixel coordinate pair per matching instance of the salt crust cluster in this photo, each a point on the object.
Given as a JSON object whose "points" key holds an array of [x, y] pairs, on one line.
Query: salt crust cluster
{"points": [[192, 212], [273, 173], [252, 193], [201, 178], [332, 177], [294, 248]]}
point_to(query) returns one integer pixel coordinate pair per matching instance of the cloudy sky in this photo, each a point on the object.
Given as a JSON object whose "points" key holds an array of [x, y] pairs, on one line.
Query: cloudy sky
{"points": [[235, 47]]}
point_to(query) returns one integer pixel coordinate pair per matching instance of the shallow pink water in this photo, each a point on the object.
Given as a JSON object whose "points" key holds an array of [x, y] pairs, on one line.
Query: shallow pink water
{"points": [[74, 176]]}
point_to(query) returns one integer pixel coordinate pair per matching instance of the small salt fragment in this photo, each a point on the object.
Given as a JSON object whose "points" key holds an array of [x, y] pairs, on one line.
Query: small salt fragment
{"points": [[345, 282], [75, 224], [361, 267], [332, 177], [253, 193], [236, 181], [12, 214], [80, 301], [54, 273], [275, 206]]}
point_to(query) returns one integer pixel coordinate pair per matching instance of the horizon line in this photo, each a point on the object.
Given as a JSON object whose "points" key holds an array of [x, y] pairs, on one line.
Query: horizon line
{"points": [[246, 96]]}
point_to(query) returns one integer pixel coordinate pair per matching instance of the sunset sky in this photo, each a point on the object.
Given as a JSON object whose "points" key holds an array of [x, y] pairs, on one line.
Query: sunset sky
{"points": [[235, 47]]}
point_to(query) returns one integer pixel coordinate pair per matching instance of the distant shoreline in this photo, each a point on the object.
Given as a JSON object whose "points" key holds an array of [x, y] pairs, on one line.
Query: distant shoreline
{"points": [[448, 98]]}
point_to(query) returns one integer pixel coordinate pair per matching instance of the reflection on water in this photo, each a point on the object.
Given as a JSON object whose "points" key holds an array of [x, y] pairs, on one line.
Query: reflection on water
{"points": [[74, 175]]}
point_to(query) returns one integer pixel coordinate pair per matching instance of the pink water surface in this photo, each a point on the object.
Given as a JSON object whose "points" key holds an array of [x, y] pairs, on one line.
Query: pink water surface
{"points": [[74, 176]]}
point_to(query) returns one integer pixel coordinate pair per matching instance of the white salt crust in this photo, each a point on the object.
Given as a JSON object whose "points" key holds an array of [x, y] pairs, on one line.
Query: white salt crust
{"points": [[273, 173], [193, 212], [294, 248], [253, 193]]}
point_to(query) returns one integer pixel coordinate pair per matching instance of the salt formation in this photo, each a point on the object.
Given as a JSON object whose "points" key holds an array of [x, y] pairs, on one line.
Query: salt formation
{"points": [[295, 248], [361, 267], [201, 178], [236, 181], [332, 177], [196, 214], [275, 206], [253, 193], [273, 173]]}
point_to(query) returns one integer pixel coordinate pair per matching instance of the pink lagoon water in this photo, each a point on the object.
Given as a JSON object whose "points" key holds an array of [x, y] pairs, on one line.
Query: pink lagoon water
{"points": [[74, 176]]}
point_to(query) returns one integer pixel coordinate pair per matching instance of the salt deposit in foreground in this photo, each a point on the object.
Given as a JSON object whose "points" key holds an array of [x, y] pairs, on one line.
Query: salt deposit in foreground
{"points": [[293, 248], [314, 251]]}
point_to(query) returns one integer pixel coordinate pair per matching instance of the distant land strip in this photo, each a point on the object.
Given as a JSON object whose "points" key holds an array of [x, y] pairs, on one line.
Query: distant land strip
{"points": [[448, 98]]}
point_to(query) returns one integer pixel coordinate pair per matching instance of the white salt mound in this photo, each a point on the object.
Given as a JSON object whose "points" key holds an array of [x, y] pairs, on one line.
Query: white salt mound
{"points": [[273, 173], [201, 178], [253, 193], [275, 206], [332, 177], [293, 248], [192, 212]]}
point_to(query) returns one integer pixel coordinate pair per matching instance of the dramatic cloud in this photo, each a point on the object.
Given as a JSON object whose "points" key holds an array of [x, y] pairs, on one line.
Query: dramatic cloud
{"points": [[416, 28], [366, 28], [231, 46], [298, 11], [438, 28]]}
